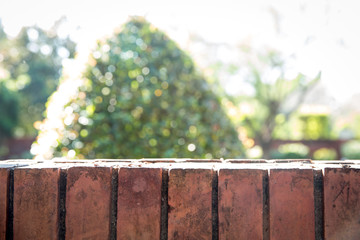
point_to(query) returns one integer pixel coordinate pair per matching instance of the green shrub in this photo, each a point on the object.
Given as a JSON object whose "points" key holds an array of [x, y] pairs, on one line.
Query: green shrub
{"points": [[316, 126], [291, 151], [351, 150], [325, 154], [142, 97]]}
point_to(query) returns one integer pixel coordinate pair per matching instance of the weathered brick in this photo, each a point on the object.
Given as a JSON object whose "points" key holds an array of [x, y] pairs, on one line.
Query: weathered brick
{"points": [[190, 193], [36, 195], [292, 204], [88, 194], [139, 203], [4, 175], [342, 203], [241, 203]]}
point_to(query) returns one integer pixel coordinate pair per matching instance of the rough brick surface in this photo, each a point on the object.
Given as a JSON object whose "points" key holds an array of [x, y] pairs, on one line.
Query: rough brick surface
{"points": [[88, 203], [180, 199], [241, 204], [292, 204], [190, 193], [342, 204], [4, 174], [36, 203], [139, 203]]}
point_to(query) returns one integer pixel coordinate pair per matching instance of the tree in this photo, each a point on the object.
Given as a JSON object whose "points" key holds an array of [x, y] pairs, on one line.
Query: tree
{"points": [[8, 112], [31, 64], [274, 100], [9, 116], [142, 97]]}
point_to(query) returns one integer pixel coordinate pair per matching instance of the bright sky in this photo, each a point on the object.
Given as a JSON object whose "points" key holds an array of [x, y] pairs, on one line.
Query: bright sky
{"points": [[323, 35]]}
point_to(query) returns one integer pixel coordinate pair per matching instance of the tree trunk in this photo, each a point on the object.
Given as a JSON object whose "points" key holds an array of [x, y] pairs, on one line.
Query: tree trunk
{"points": [[266, 147]]}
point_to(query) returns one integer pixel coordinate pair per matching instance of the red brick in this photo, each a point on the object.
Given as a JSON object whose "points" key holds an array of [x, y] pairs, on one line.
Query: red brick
{"points": [[139, 203], [190, 192], [342, 203], [241, 203], [4, 174], [292, 204], [88, 201], [36, 195]]}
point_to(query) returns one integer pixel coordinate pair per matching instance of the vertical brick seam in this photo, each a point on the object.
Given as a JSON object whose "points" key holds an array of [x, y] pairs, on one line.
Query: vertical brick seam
{"points": [[62, 203], [114, 202], [10, 207], [319, 204], [266, 206], [164, 205], [215, 206]]}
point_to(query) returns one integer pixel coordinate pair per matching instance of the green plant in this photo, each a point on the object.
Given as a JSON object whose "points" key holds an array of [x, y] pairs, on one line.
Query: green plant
{"points": [[142, 97], [9, 107], [324, 154], [291, 151], [32, 63], [316, 126], [275, 100], [351, 150]]}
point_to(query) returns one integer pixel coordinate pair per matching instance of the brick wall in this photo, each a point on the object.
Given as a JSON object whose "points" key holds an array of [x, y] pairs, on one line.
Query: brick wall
{"points": [[180, 199]]}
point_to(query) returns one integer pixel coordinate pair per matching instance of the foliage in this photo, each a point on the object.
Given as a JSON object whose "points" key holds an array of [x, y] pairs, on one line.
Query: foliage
{"points": [[142, 97], [31, 64], [275, 100], [351, 128], [324, 154], [316, 126], [8, 111], [351, 150], [291, 151]]}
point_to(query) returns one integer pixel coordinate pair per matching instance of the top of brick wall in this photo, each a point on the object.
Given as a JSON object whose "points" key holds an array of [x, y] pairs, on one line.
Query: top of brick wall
{"points": [[183, 163]]}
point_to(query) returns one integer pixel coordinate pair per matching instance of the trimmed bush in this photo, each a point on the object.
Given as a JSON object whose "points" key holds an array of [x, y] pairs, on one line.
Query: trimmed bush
{"points": [[142, 97], [291, 151], [351, 150]]}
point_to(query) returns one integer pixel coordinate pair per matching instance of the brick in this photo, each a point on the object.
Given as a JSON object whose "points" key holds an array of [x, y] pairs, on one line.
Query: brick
{"points": [[4, 175], [342, 203], [190, 201], [36, 196], [292, 204], [139, 203], [88, 194], [241, 203]]}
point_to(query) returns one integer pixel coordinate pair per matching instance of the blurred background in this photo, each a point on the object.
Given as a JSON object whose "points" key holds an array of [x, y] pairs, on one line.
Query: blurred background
{"points": [[283, 75]]}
